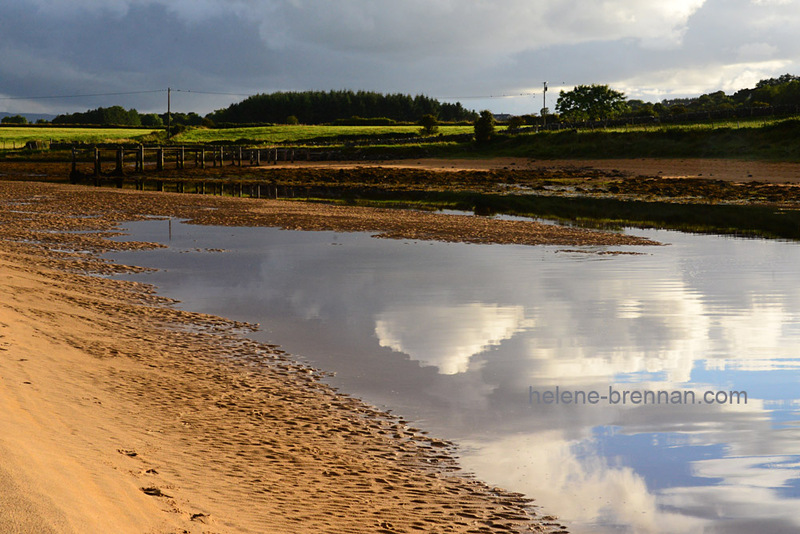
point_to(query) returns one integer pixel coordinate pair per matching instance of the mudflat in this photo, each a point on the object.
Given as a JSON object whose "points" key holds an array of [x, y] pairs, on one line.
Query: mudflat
{"points": [[122, 413]]}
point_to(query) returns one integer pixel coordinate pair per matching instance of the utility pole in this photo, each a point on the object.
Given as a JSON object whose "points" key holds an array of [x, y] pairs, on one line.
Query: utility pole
{"points": [[169, 118], [544, 106]]}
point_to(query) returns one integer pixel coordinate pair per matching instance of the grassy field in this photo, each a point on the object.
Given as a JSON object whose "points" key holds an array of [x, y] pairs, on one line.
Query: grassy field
{"points": [[774, 140], [17, 136], [301, 133]]}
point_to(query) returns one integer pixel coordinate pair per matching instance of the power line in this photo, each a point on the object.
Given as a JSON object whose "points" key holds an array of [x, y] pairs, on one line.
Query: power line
{"points": [[82, 95], [481, 97], [210, 92]]}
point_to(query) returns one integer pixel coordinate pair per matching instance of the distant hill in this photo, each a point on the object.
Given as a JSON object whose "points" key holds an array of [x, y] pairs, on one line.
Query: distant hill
{"points": [[32, 117]]}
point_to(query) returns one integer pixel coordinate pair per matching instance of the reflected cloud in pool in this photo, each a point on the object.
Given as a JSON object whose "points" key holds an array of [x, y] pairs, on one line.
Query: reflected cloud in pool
{"points": [[455, 337]]}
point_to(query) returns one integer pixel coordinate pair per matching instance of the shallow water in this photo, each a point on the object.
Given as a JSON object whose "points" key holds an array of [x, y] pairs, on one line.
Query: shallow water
{"points": [[463, 339]]}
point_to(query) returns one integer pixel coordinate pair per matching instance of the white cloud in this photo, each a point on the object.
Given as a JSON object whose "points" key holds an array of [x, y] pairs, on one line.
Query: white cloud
{"points": [[584, 490], [447, 337], [448, 27], [695, 80]]}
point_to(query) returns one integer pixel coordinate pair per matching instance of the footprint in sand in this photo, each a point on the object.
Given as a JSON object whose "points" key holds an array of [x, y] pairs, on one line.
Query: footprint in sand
{"points": [[155, 492]]}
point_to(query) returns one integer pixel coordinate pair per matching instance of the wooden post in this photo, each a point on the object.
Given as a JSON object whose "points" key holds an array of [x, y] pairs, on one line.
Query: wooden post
{"points": [[258, 157], [120, 160], [140, 159], [240, 160], [160, 158], [96, 161], [202, 158]]}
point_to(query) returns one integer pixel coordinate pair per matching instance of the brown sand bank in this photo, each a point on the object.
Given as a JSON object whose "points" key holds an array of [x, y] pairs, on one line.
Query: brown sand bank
{"points": [[123, 414], [648, 179], [719, 169]]}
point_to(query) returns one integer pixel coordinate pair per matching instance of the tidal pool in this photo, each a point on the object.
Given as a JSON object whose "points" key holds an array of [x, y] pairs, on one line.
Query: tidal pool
{"points": [[655, 392]]}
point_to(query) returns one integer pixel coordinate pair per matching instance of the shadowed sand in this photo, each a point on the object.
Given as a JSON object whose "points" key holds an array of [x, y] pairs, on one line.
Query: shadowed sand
{"points": [[123, 414]]}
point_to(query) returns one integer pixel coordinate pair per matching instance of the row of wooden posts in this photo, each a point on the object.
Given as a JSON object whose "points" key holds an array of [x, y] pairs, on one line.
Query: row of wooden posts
{"points": [[216, 186], [200, 157]]}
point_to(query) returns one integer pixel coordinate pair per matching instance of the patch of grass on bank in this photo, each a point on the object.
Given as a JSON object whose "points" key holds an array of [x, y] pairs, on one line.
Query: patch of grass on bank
{"points": [[777, 141], [606, 214]]}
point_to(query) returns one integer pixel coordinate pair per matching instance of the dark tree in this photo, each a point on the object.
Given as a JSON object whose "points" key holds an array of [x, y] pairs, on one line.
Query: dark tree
{"points": [[591, 102], [152, 119], [484, 127]]}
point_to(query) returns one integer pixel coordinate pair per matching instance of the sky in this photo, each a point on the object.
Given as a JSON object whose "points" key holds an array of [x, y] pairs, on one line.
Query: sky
{"points": [[485, 54]]}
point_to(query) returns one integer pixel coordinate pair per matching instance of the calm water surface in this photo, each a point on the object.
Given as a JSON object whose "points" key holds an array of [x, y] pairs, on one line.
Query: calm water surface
{"points": [[463, 340]]}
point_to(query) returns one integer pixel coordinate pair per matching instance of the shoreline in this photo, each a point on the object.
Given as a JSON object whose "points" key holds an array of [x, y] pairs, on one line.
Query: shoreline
{"points": [[125, 414], [729, 170]]}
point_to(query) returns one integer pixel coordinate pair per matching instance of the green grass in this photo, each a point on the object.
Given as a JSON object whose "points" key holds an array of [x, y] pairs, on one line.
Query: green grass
{"points": [[301, 133], [754, 139], [17, 136], [746, 122], [777, 141]]}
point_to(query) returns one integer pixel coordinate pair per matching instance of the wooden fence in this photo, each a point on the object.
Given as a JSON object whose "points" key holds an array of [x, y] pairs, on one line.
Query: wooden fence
{"points": [[143, 158], [139, 167]]}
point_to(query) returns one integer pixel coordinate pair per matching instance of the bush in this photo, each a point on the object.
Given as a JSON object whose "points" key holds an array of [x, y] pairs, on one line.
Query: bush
{"points": [[514, 123], [152, 119], [484, 127], [430, 124]]}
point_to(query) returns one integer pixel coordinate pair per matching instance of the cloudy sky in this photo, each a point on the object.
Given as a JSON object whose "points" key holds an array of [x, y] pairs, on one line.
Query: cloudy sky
{"points": [[486, 54]]}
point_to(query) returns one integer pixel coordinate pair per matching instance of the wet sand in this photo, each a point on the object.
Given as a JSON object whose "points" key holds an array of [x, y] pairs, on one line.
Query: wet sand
{"points": [[124, 414], [718, 169]]}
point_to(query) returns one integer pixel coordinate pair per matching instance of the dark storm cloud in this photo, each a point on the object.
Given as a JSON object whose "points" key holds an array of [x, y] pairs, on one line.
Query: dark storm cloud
{"points": [[650, 49]]}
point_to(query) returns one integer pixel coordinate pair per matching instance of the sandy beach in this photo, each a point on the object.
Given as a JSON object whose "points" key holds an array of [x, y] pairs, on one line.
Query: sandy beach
{"points": [[123, 414]]}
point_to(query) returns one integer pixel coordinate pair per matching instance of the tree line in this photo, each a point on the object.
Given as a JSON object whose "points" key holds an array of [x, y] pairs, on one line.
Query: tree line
{"points": [[309, 107], [119, 116], [600, 102], [582, 103], [322, 107]]}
